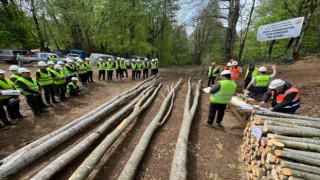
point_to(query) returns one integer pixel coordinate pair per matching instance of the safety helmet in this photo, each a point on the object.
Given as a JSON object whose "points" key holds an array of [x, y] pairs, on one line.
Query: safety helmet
{"points": [[146, 59], [156, 60], [74, 79], [276, 83], [109, 59], [225, 72], [213, 64], [42, 64], [50, 63], [87, 59], [1, 71], [118, 58], [23, 70], [60, 62], [229, 64], [262, 69], [138, 60], [133, 60], [69, 61], [14, 68], [100, 59], [234, 63], [122, 59], [80, 60], [57, 66]]}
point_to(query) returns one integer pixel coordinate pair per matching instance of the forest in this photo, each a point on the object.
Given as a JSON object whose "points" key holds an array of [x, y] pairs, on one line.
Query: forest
{"points": [[220, 29]]}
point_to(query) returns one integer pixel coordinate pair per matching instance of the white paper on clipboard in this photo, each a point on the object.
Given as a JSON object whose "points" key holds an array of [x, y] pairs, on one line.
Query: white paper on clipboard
{"points": [[206, 90]]}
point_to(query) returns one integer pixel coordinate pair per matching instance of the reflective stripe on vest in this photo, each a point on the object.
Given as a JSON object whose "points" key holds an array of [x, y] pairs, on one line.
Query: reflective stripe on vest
{"points": [[73, 86], [32, 85], [71, 67], [89, 66], [224, 95], [235, 72], [213, 71], [81, 71], [109, 66], [101, 66], [58, 75], [45, 79], [133, 66], [280, 97], [254, 73], [6, 84]]}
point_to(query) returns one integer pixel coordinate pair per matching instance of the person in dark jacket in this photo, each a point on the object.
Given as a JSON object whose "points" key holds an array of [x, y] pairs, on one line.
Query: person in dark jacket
{"points": [[284, 97]]}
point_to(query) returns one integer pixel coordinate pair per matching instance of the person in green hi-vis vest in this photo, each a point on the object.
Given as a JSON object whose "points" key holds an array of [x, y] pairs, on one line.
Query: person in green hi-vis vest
{"points": [[221, 94], [123, 67], [59, 81], [88, 65], [145, 65], [133, 68], [213, 71], [101, 69], [109, 67]]}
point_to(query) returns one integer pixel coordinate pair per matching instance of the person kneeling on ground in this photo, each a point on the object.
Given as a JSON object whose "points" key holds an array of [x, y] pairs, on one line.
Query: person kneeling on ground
{"points": [[73, 88], [285, 98], [221, 94]]}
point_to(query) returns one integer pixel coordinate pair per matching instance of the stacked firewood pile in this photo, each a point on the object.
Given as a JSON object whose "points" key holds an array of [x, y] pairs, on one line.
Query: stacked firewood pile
{"points": [[281, 146]]}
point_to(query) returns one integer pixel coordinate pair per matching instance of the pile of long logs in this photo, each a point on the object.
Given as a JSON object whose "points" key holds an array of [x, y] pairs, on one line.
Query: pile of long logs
{"points": [[281, 146]]}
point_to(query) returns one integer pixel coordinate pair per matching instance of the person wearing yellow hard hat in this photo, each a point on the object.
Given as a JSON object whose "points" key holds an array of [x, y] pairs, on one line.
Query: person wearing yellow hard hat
{"points": [[213, 71]]}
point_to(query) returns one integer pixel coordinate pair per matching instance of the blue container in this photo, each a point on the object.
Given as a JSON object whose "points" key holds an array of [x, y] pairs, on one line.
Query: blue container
{"points": [[81, 53]]}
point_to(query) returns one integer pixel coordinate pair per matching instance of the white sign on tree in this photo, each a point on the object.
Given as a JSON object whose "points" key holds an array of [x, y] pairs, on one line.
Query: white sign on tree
{"points": [[280, 30]]}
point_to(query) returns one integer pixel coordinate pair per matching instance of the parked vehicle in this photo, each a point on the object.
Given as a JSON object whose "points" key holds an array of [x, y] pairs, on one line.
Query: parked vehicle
{"points": [[10, 55], [94, 57], [42, 57], [73, 56], [81, 53]]}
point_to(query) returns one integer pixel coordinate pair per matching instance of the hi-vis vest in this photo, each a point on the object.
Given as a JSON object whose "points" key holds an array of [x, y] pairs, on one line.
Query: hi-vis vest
{"points": [[58, 75], [89, 66], [109, 66], [235, 72], [154, 65], [6, 84], [71, 67], [145, 64], [139, 67], [101, 66], [133, 66], [74, 86], [224, 95], [14, 78], [81, 66], [117, 65], [213, 71], [254, 73], [32, 85], [45, 78], [51, 58], [280, 98], [262, 81], [123, 65]]}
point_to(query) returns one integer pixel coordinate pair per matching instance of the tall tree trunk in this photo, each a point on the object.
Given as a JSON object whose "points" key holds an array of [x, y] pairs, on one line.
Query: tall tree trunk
{"points": [[246, 33], [270, 48], [233, 16], [36, 23]]}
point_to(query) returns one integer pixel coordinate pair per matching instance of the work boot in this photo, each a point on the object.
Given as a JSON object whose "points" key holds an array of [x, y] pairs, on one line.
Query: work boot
{"points": [[6, 122], [207, 124], [3, 127]]}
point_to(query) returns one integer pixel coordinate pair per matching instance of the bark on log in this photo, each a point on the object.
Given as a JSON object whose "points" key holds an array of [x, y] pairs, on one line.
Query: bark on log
{"points": [[60, 162], [129, 170], [179, 162], [297, 139], [301, 131], [301, 145], [283, 115], [301, 167], [281, 121], [300, 174], [299, 153], [301, 159]]}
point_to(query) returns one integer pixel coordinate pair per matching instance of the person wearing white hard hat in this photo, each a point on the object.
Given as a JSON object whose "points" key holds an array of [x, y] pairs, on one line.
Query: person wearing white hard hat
{"points": [[59, 80], [88, 65], [153, 67], [43, 76], [284, 97], [259, 84], [145, 65], [123, 67], [101, 69], [15, 75], [109, 67], [133, 69], [51, 58], [157, 67], [71, 70], [227, 67], [118, 69], [82, 71], [235, 70], [11, 102], [73, 88], [138, 69], [221, 94], [50, 65], [32, 90]]}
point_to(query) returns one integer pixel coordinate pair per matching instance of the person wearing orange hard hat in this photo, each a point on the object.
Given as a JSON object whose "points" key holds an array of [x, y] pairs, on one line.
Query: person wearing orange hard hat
{"points": [[213, 71]]}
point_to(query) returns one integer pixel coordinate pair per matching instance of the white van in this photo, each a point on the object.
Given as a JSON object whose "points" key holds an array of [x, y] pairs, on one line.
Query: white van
{"points": [[94, 57]]}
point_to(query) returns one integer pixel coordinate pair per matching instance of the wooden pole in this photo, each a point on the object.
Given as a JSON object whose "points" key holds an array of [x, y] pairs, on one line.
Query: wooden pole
{"points": [[283, 115]]}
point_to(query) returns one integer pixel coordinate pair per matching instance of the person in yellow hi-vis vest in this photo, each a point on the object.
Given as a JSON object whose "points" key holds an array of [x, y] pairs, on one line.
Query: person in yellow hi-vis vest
{"points": [[213, 71], [109, 67], [88, 64], [60, 81], [221, 94], [101, 69]]}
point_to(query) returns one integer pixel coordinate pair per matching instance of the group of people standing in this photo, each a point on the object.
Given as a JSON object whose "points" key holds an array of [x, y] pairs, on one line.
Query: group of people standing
{"points": [[257, 84]]}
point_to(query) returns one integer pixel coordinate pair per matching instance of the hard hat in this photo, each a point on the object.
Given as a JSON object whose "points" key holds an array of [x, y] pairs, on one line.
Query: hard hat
{"points": [[229, 64], [152, 59], [60, 62], [213, 64], [23, 70], [74, 79], [80, 60], [133, 60], [146, 59], [225, 72], [42, 64], [156, 59], [118, 58], [262, 69], [69, 61], [234, 63], [57, 66], [276, 83], [14, 68], [109, 59], [50, 63], [138, 60], [122, 58], [100, 59], [1, 71], [87, 59]]}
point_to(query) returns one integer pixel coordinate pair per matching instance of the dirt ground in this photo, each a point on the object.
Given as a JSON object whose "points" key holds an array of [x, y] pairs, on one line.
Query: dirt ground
{"points": [[212, 153]]}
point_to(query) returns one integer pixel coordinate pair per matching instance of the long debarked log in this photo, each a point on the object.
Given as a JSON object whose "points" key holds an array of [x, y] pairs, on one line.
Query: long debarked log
{"points": [[60, 162], [275, 114], [25, 158], [67, 126], [300, 145], [135, 158], [297, 157], [301, 174], [299, 122], [308, 154], [84, 170], [297, 139], [298, 166], [179, 163], [292, 124], [290, 131]]}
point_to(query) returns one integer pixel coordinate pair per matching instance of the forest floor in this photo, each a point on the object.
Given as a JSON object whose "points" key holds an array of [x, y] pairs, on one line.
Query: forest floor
{"points": [[212, 153]]}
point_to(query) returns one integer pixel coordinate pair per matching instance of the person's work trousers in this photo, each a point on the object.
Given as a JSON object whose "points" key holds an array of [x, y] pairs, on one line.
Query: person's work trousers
{"points": [[145, 73], [138, 74], [83, 78], [214, 107], [133, 74], [35, 102], [13, 110], [124, 71], [153, 72], [89, 76], [3, 114], [61, 88], [211, 80], [110, 73], [103, 74], [118, 73], [49, 93]]}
